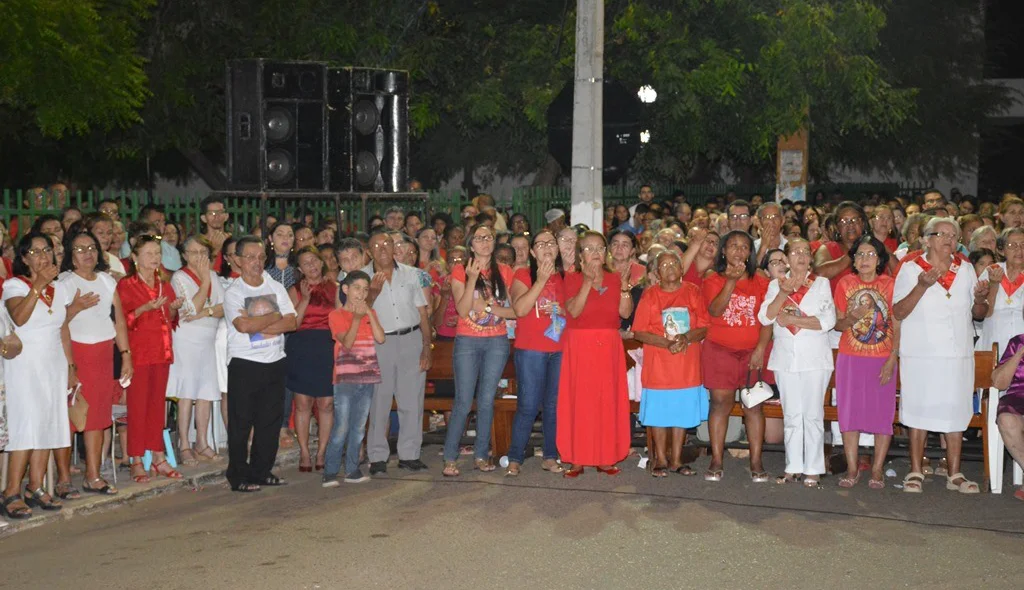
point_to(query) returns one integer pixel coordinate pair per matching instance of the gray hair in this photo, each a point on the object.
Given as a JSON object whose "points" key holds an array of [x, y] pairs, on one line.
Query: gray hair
{"points": [[934, 222], [978, 234], [768, 205], [1004, 237]]}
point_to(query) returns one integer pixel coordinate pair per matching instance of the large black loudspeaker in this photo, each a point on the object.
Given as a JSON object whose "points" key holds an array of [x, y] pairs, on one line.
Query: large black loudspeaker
{"points": [[369, 129], [276, 120]]}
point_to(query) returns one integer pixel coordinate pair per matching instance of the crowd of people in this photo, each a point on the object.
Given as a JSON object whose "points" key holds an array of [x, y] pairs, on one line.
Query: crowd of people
{"points": [[295, 323]]}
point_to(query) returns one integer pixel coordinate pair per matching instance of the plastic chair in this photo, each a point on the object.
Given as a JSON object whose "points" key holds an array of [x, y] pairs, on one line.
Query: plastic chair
{"points": [[996, 449]]}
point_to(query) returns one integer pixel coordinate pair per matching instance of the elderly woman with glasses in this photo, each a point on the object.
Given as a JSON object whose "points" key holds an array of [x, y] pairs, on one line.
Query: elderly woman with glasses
{"points": [[37, 380], [193, 375], [1005, 316], [593, 397], [936, 295], [832, 259]]}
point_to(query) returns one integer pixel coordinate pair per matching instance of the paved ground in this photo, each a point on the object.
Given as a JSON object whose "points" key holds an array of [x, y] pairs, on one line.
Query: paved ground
{"points": [[537, 531]]}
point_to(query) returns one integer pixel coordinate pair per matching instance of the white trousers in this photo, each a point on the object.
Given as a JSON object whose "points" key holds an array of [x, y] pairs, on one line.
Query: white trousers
{"points": [[803, 419]]}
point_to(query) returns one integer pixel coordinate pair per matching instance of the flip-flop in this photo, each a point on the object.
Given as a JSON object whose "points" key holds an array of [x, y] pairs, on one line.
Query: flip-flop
{"points": [[812, 482], [759, 476], [789, 478], [659, 472], [876, 484], [713, 475], [685, 470], [848, 482]]}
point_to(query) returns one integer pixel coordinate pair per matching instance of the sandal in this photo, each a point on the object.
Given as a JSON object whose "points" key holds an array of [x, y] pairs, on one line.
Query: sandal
{"points": [[926, 467], [573, 472], [208, 454], [65, 491], [168, 472], [685, 470], [189, 460], [848, 482], [876, 484], [713, 475], [451, 469], [943, 469], [659, 471], [812, 481], [912, 482], [965, 486], [245, 488], [513, 470], [105, 490], [483, 465], [552, 465], [18, 512], [139, 477], [40, 499], [788, 478], [759, 476], [467, 450]]}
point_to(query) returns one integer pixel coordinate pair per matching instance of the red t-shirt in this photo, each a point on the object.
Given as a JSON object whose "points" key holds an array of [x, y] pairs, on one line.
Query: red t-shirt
{"points": [[359, 363], [602, 309], [530, 328], [479, 323], [321, 304], [693, 275], [669, 314], [872, 335], [836, 251], [738, 327]]}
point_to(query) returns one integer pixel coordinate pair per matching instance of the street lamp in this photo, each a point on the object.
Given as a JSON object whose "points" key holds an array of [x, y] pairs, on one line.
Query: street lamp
{"points": [[645, 136], [647, 94]]}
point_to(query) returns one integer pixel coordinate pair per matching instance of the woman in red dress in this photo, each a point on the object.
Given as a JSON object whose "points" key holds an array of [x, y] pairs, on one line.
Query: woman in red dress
{"points": [[593, 398], [149, 306]]}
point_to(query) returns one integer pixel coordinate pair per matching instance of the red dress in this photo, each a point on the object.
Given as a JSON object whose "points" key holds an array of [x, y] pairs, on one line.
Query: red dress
{"points": [[593, 397]]}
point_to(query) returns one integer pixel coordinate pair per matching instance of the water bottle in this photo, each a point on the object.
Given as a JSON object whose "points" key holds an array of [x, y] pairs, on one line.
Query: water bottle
{"points": [[503, 461]]}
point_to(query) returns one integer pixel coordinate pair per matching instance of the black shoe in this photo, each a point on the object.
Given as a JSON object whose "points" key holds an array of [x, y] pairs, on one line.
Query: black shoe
{"points": [[412, 465], [378, 467]]}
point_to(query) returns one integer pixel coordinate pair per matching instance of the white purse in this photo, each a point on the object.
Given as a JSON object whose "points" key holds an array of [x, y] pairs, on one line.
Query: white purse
{"points": [[756, 394]]}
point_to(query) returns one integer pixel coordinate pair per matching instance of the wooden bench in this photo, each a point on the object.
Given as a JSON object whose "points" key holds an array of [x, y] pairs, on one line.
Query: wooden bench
{"points": [[505, 408]]}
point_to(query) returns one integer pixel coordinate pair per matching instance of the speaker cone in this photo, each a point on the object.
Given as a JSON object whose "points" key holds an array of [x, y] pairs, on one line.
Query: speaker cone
{"points": [[280, 166], [280, 124], [366, 168], [365, 117]]}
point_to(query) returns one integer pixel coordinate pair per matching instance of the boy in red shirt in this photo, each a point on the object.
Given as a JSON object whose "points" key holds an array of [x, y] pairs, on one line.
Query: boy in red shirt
{"points": [[355, 329]]}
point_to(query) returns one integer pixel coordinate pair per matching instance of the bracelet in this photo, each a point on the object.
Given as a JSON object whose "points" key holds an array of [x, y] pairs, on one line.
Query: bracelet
{"points": [[72, 366], [3, 349], [126, 352]]}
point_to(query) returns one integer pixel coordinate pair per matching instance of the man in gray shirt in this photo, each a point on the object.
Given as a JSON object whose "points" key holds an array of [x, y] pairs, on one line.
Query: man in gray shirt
{"points": [[404, 357]]}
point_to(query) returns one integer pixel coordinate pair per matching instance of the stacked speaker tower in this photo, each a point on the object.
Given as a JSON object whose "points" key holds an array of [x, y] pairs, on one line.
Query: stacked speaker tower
{"points": [[310, 126]]}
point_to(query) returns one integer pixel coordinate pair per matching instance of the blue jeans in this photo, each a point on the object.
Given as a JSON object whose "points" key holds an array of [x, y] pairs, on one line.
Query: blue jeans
{"points": [[537, 380], [478, 363], [351, 409]]}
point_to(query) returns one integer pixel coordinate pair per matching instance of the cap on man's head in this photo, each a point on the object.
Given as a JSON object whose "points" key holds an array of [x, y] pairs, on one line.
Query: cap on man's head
{"points": [[552, 214]]}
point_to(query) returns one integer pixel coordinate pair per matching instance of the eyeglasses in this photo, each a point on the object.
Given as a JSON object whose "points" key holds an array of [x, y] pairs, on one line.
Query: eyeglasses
{"points": [[541, 244], [567, 239], [739, 216], [776, 262], [195, 253], [48, 251], [866, 255], [593, 249], [942, 235], [83, 249], [849, 220], [771, 217], [216, 213], [1014, 246], [250, 257], [801, 252], [384, 244], [484, 239]]}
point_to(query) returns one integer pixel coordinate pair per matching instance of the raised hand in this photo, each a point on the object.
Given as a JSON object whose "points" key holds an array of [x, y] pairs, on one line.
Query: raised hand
{"points": [[981, 289], [177, 303], [859, 311], [473, 271], [45, 276], [304, 289], [83, 302], [377, 284], [592, 269], [696, 237], [545, 270], [735, 272], [156, 303], [790, 284], [928, 278], [995, 274]]}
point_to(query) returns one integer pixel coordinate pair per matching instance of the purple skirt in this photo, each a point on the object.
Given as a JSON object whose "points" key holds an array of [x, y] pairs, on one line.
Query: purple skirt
{"points": [[864, 405], [1011, 403]]}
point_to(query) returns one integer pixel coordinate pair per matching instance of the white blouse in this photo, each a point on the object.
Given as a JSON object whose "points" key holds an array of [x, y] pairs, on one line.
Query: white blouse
{"points": [[1007, 319], [186, 287], [95, 324], [939, 326], [807, 350]]}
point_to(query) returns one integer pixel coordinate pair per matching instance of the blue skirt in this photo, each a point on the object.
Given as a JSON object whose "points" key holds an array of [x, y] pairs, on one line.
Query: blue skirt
{"points": [[674, 408]]}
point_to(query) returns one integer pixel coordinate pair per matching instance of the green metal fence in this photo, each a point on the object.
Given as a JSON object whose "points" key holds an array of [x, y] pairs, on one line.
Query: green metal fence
{"points": [[532, 201]]}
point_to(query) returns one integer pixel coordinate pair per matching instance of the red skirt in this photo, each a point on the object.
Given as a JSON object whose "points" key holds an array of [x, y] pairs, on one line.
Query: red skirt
{"points": [[95, 364], [593, 399]]}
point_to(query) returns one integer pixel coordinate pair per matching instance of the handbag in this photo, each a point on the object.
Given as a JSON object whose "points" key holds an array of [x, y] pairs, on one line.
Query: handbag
{"points": [[78, 408], [756, 394]]}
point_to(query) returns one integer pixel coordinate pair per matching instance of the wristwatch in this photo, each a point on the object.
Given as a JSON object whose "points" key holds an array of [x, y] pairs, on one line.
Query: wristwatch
{"points": [[209, 311], [488, 308]]}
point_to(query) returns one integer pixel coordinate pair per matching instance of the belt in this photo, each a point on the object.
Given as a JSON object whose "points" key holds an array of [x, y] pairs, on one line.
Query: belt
{"points": [[402, 332]]}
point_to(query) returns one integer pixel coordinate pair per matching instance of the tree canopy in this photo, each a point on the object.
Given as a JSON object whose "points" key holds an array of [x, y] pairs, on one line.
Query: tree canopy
{"points": [[138, 86]]}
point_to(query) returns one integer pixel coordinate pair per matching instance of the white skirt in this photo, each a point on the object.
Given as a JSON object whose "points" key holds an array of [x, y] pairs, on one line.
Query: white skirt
{"points": [[221, 345], [37, 400], [937, 394], [193, 374]]}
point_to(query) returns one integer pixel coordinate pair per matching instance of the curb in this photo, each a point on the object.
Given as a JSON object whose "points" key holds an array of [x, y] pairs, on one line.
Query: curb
{"points": [[131, 493]]}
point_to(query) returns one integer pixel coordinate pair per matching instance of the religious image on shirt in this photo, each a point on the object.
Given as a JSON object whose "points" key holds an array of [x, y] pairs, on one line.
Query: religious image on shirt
{"points": [[873, 328], [261, 305], [793, 308], [676, 321], [482, 318]]}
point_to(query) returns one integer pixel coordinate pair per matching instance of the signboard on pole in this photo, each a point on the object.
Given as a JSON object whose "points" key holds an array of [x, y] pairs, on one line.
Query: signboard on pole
{"points": [[791, 168]]}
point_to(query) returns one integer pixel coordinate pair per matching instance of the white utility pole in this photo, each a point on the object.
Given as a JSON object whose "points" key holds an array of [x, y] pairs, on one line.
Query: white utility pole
{"points": [[587, 116]]}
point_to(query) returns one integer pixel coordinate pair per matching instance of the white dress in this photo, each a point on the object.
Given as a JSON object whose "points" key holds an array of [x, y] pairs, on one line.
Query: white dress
{"points": [[222, 342], [37, 379], [193, 374], [1007, 319], [937, 352], [6, 327]]}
